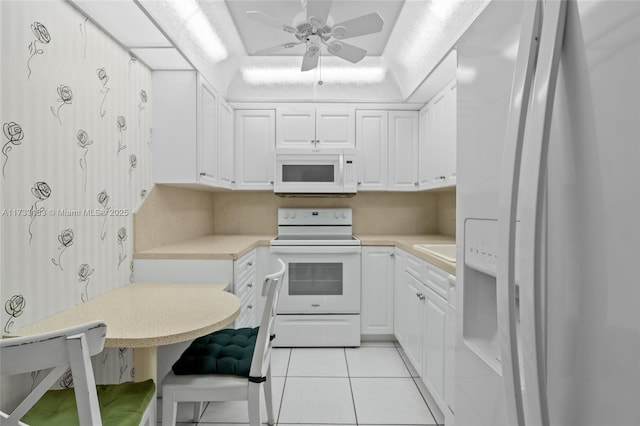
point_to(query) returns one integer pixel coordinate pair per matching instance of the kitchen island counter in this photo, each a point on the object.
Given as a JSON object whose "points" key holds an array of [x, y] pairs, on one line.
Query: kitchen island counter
{"points": [[406, 243], [217, 246]]}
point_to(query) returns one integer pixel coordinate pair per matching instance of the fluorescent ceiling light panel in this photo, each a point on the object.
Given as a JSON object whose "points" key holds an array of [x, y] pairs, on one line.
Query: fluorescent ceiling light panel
{"points": [[330, 74], [199, 28]]}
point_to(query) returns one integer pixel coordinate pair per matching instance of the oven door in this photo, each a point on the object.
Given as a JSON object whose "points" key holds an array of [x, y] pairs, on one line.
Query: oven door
{"points": [[320, 279]]}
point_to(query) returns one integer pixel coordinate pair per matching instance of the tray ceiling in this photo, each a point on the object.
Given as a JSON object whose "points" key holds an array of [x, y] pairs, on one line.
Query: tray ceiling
{"points": [[256, 36]]}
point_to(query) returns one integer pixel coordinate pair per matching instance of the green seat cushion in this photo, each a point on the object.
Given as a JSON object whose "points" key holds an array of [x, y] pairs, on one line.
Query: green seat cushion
{"points": [[120, 405], [227, 351]]}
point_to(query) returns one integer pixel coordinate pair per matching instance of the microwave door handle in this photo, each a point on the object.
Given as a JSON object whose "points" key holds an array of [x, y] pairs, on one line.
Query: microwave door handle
{"points": [[536, 148], [508, 201], [341, 171]]}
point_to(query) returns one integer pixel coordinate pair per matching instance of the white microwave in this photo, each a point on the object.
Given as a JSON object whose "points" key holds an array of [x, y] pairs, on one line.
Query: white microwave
{"points": [[306, 172]]}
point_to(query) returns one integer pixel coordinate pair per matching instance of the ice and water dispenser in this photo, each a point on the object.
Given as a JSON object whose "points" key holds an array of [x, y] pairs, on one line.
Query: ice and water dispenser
{"points": [[480, 320]]}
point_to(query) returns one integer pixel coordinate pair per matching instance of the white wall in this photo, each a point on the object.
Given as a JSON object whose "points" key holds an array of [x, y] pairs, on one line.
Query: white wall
{"points": [[45, 167]]}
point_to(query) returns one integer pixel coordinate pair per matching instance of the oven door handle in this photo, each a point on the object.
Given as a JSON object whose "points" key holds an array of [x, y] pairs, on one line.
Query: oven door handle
{"points": [[315, 249]]}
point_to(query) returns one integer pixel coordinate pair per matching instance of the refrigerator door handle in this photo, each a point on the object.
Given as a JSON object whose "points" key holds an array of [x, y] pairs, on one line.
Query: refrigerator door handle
{"points": [[532, 209], [508, 201]]}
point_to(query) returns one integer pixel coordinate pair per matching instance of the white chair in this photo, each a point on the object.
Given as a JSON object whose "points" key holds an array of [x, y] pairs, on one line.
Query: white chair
{"points": [[59, 350], [217, 387]]}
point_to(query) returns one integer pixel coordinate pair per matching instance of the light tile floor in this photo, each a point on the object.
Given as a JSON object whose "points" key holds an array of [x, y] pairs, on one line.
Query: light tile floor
{"points": [[369, 385]]}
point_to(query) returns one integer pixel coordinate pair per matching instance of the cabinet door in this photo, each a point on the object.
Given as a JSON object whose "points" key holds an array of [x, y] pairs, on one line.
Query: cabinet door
{"points": [[403, 150], [225, 150], [207, 105], [400, 322], [372, 141], [433, 347], [255, 141], [426, 123], [437, 142], [175, 136], [377, 290], [450, 133], [335, 128], [295, 128], [414, 307]]}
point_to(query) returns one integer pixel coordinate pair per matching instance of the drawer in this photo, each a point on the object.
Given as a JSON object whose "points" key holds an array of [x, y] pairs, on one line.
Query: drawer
{"points": [[437, 280], [417, 268], [244, 266], [247, 284], [247, 316]]}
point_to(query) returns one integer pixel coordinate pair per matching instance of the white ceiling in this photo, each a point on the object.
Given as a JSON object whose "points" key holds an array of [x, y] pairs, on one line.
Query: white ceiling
{"points": [[256, 35], [216, 38]]}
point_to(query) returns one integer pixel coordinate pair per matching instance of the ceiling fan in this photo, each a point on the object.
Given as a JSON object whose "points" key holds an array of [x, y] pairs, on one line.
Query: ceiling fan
{"points": [[317, 29]]}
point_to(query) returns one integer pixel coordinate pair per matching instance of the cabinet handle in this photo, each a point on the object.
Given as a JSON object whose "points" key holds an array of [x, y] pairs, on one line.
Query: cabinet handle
{"points": [[249, 306], [250, 285], [312, 141], [270, 182], [233, 182], [415, 183], [443, 177], [359, 183], [203, 174], [392, 255], [250, 263], [420, 296]]}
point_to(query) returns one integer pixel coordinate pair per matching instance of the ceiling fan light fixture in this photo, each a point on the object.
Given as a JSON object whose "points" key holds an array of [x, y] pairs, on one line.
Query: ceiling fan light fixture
{"points": [[334, 47], [338, 32]]}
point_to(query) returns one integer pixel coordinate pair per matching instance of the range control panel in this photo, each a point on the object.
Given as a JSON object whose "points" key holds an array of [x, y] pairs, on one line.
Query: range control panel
{"points": [[315, 217]]}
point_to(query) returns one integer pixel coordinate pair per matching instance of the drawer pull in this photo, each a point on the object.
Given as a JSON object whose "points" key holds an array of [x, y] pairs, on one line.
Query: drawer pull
{"points": [[420, 296], [249, 306], [250, 285], [250, 263]]}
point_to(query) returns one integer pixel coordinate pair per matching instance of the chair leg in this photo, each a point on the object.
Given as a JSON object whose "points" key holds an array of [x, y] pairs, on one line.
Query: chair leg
{"points": [[255, 390], [268, 396], [197, 411], [169, 408]]}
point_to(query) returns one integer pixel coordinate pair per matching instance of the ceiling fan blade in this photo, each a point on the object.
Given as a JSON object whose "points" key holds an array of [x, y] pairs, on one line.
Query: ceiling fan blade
{"points": [[318, 11], [275, 48], [346, 51], [310, 61], [269, 20], [362, 25]]}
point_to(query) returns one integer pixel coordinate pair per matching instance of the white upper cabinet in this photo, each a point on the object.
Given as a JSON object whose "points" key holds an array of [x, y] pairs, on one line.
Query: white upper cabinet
{"points": [[207, 133], [335, 128], [295, 128], [315, 128], [225, 146], [372, 142], [193, 131], [175, 140], [403, 150], [254, 143], [438, 140]]}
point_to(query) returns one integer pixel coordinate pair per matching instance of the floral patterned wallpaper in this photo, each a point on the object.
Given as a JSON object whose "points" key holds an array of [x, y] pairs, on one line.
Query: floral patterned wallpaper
{"points": [[75, 114]]}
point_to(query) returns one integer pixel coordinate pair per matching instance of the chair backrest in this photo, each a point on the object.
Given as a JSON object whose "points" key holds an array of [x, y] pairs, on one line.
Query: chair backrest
{"points": [[262, 352], [59, 350]]}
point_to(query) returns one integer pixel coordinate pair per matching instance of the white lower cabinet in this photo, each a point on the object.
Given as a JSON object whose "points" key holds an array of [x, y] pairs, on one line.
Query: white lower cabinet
{"points": [[376, 313], [400, 322], [244, 286], [425, 324], [433, 344]]}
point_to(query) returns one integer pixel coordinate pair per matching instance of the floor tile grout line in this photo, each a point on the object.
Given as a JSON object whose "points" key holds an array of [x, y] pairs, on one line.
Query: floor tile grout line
{"points": [[284, 386], [353, 399], [416, 384]]}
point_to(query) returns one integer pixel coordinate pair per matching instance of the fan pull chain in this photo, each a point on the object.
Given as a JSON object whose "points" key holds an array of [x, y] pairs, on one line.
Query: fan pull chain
{"points": [[320, 82]]}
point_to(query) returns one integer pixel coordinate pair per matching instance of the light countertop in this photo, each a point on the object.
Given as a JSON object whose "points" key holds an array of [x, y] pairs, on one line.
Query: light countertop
{"points": [[141, 315], [232, 247], [225, 247]]}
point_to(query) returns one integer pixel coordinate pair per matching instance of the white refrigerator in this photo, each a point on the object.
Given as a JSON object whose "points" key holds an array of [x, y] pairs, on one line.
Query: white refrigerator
{"points": [[548, 215]]}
